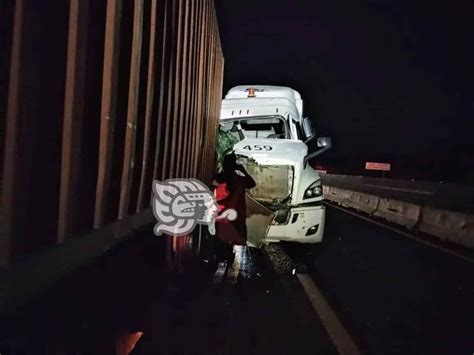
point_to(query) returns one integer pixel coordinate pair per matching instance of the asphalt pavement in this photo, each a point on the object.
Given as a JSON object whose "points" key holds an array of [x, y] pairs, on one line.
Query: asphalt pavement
{"points": [[393, 294], [155, 295]]}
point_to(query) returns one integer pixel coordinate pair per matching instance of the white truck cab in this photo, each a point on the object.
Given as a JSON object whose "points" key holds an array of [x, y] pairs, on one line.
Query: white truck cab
{"points": [[268, 122]]}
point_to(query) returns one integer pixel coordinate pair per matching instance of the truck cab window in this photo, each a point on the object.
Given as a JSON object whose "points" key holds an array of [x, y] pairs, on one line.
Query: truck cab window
{"points": [[273, 127]]}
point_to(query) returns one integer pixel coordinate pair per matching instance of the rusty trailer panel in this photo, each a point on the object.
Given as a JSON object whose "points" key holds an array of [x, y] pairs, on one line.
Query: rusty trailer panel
{"points": [[166, 59], [73, 115], [109, 107], [93, 153], [166, 134], [150, 102], [132, 112], [181, 118]]}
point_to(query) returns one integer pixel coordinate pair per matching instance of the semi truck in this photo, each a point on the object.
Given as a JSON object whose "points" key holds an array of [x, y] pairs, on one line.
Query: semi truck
{"points": [[272, 138]]}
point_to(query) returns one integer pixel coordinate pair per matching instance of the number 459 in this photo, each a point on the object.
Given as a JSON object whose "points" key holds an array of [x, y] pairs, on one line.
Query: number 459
{"points": [[258, 147]]}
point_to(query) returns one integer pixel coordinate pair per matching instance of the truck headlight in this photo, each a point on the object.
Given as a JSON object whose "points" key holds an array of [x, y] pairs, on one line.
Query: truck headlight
{"points": [[314, 190]]}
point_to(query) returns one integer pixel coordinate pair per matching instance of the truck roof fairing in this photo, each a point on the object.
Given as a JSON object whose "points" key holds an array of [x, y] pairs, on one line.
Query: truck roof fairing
{"points": [[258, 107], [267, 91]]}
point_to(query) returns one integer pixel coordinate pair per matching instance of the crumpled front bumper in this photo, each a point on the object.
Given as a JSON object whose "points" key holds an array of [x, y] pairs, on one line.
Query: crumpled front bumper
{"points": [[304, 225]]}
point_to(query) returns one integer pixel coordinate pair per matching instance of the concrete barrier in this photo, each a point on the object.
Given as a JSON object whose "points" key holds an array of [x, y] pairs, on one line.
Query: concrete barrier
{"points": [[451, 226], [336, 194], [360, 201], [325, 191], [399, 212], [347, 197], [416, 213], [445, 196]]}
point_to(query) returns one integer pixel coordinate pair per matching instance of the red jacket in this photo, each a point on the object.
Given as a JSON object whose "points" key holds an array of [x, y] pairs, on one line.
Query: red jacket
{"points": [[230, 193]]}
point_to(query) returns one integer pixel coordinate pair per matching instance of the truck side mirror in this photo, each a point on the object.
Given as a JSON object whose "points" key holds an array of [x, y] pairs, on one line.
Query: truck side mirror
{"points": [[323, 142], [308, 128]]}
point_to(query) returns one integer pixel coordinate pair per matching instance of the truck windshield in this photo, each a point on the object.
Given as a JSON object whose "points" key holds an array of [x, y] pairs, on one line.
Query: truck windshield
{"points": [[257, 127]]}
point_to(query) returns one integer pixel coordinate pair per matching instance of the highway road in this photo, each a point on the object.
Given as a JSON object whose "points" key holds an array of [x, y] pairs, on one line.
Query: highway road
{"points": [[394, 294], [176, 303]]}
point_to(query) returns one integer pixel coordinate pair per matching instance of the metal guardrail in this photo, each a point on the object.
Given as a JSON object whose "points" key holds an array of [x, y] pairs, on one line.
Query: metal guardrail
{"points": [[441, 195]]}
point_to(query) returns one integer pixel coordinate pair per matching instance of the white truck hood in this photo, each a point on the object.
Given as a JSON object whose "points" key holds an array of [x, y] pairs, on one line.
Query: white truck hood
{"points": [[273, 151]]}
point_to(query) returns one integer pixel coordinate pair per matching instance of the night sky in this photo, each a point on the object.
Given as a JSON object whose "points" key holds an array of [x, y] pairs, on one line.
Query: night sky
{"points": [[388, 80]]}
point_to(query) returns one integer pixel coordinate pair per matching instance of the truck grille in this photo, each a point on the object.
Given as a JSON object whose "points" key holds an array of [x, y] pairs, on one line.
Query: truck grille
{"points": [[274, 183]]}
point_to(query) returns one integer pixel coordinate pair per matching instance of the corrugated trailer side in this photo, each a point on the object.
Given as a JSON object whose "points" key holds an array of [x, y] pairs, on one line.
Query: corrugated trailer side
{"points": [[103, 97]]}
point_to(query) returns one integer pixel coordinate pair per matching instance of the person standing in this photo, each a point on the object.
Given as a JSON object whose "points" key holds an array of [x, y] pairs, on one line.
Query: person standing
{"points": [[233, 182]]}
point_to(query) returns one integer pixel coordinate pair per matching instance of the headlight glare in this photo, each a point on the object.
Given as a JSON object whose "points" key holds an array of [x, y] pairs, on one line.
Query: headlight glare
{"points": [[314, 190]]}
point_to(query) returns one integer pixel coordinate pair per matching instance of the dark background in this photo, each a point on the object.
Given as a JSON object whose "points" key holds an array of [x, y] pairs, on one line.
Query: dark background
{"points": [[389, 81]]}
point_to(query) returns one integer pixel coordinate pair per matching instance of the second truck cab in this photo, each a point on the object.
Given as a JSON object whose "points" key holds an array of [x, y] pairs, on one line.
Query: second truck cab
{"points": [[268, 122]]}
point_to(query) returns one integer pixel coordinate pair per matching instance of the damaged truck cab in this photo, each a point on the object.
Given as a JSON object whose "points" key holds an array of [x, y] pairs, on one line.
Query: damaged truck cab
{"points": [[272, 134]]}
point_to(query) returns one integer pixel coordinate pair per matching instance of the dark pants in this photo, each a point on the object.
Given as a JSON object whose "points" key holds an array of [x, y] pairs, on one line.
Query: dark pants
{"points": [[223, 251]]}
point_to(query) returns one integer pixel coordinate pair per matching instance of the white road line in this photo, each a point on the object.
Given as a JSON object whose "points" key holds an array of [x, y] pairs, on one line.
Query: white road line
{"points": [[340, 337], [433, 245]]}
